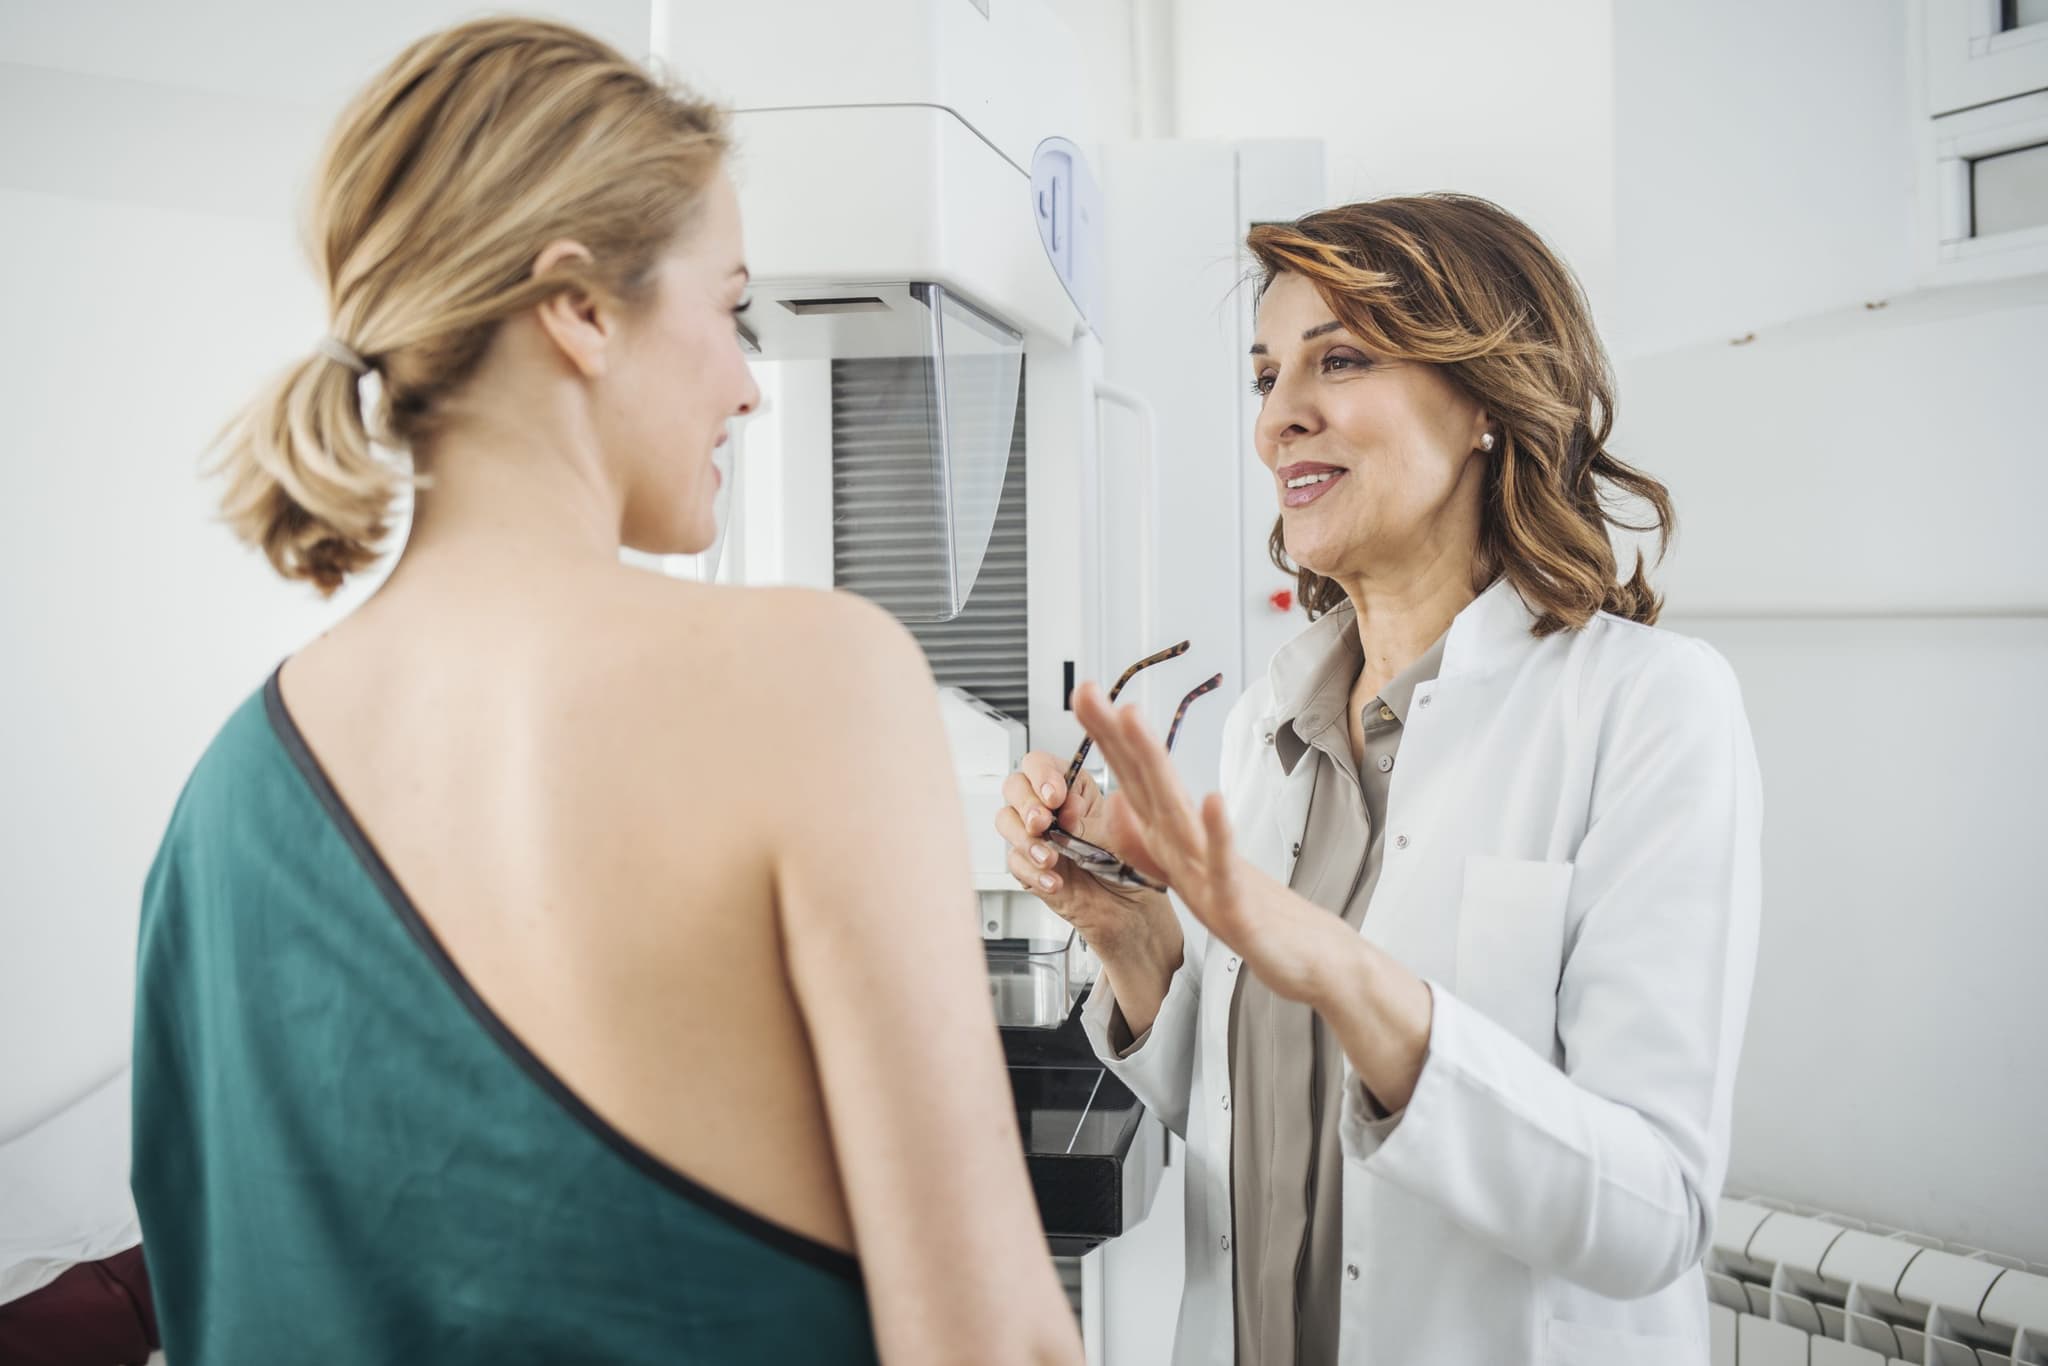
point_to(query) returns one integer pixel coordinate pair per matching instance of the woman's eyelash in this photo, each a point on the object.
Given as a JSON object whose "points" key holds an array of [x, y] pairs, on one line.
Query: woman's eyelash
{"points": [[742, 306], [1262, 385]]}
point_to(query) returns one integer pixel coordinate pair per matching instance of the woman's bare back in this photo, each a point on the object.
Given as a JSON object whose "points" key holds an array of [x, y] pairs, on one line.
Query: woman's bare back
{"points": [[573, 772]]}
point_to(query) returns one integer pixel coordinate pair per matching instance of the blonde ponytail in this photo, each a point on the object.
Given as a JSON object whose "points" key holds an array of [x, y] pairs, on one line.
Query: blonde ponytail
{"points": [[304, 484], [442, 183]]}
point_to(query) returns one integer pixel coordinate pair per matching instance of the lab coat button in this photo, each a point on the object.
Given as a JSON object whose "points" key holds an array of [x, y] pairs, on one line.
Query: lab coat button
{"points": [[1400, 841], [1226, 1242], [1231, 966], [1269, 737], [1351, 1271], [1226, 1102], [1297, 851]]}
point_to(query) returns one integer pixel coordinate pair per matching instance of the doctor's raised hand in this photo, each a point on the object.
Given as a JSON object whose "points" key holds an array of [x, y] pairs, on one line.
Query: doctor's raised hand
{"points": [[1379, 1011]]}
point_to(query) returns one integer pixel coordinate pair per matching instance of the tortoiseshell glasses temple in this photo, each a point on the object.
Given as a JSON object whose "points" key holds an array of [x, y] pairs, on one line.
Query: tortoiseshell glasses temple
{"points": [[1093, 858]]}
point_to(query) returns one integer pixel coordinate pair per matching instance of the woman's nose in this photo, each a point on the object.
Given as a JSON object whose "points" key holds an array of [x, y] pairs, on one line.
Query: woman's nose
{"points": [[1285, 417]]}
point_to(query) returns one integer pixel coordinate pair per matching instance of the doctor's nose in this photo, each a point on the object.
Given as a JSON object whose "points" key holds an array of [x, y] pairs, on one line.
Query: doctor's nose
{"points": [[1285, 418]]}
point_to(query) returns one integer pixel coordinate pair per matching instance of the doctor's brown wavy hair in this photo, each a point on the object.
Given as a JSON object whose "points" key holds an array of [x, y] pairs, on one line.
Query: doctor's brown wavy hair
{"points": [[443, 181], [1455, 281]]}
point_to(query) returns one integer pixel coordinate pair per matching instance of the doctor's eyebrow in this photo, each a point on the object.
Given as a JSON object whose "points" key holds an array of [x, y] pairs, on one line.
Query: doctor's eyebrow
{"points": [[1259, 348]]}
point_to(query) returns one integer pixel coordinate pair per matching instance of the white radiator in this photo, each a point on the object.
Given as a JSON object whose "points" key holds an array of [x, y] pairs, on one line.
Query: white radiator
{"points": [[1791, 1286]]}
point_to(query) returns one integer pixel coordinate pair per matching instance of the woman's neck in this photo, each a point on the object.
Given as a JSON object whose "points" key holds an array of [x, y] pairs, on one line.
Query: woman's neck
{"points": [[1402, 611], [522, 480]]}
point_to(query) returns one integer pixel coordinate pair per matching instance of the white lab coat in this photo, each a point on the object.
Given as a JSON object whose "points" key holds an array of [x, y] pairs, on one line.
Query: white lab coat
{"points": [[1571, 854]]}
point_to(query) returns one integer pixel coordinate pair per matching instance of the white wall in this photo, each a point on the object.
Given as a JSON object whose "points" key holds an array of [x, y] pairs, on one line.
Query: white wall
{"points": [[1101, 31], [1857, 461], [1859, 532], [1499, 98], [152, 160], [1763, 164], [1893, 1067], [1858, 495], [136, 624]]}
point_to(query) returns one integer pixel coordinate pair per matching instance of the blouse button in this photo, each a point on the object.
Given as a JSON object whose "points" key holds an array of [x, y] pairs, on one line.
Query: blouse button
{"points": [[1386, 762]]}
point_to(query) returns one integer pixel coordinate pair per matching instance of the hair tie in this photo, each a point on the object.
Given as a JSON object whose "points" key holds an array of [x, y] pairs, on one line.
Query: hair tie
{"points": [[338, 351]]}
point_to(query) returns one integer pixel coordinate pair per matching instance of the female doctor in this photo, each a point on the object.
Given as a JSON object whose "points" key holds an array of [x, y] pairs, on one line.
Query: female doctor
{"points": [[1452, 1031]]}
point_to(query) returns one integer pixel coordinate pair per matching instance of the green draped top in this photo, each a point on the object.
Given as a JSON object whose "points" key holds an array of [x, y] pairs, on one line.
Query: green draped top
{"points": [[342, 1155]]}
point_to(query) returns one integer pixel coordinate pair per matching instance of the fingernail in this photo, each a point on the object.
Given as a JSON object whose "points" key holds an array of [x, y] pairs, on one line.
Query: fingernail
{"points": [[1047, 881], [1046, 792], [1041, 854]]}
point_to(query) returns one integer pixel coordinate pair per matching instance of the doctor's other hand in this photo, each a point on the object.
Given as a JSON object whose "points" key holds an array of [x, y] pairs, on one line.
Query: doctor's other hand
{"points": [[1108, 918], [1289, 942]]}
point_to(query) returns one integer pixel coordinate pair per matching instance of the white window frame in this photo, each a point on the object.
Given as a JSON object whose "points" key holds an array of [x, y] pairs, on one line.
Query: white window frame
{"points": [[1969, 62], [1948, 145]]}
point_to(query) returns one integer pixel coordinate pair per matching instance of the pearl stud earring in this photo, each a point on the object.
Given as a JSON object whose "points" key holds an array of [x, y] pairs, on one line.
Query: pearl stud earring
{"points": [[1486, 442]]}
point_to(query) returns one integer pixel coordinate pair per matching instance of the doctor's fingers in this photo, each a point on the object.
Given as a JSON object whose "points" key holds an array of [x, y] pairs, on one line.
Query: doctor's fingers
{"points": [[1044, 882], [1153, 787], [1225, 909], [1023, 841], [1083, 804], [1045, 775], [1025, 791], [1023, 803]]}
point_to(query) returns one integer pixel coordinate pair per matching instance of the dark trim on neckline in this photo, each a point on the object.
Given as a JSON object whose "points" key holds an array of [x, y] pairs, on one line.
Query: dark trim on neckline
{"points": [[784, 1240]]}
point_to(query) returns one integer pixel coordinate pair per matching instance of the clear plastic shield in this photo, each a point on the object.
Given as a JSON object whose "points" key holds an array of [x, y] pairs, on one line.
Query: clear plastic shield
{"points": [[977, 365]]}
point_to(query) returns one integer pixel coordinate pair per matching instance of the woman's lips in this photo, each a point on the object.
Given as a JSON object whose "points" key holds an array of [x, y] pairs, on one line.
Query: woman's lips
{"points": [[1302, 484]]}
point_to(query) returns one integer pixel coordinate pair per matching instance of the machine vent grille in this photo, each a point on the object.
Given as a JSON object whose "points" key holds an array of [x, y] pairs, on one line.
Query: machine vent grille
{"points": [[888, 531]]}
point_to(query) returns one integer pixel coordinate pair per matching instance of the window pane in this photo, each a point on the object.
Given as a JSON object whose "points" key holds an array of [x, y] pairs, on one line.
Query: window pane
{"points": [[2014, 14], [2009, 192]]}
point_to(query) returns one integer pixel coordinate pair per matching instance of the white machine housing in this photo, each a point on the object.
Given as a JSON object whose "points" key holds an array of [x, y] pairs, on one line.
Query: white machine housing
{"points": [[893, 144]]}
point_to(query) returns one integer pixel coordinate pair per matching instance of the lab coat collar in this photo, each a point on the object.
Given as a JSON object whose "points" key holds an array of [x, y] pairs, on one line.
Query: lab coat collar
{"points": [[1492, 631]]}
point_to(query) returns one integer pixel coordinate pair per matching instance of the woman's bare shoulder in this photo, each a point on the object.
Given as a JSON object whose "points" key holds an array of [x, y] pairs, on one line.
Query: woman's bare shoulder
{"points": [[804, 663]]}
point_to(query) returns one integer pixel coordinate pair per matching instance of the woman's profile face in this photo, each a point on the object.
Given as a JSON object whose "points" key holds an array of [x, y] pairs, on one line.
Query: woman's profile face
{"points": [[1376, 462], [682, 376]]}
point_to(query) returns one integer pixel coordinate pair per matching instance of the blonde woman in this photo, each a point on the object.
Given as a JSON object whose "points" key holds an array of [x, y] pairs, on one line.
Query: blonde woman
{"points": [[504, 992], [1453, 1027]]}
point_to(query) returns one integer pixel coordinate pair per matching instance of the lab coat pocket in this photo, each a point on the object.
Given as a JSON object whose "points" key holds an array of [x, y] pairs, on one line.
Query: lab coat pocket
{"points": [[1511, 944], [1586, 1344]]}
